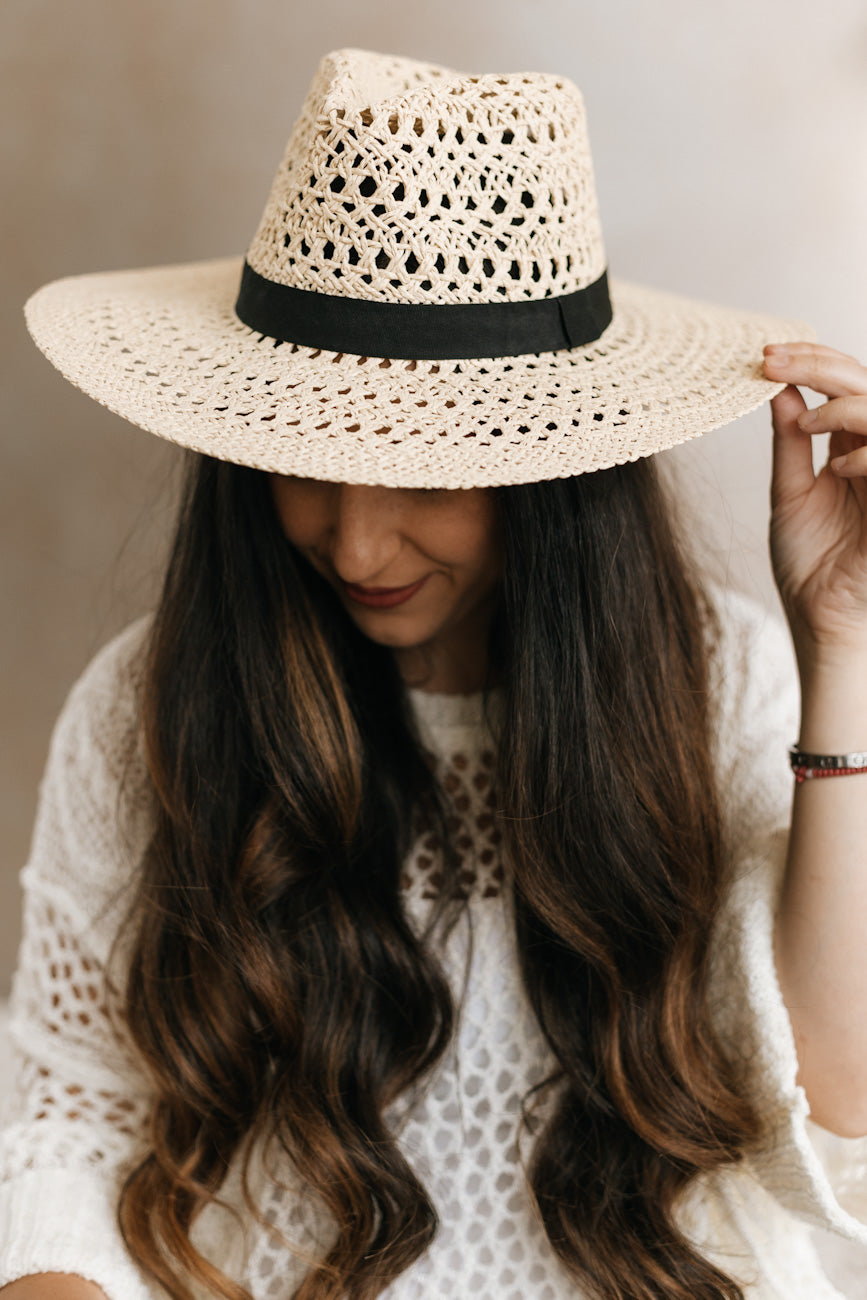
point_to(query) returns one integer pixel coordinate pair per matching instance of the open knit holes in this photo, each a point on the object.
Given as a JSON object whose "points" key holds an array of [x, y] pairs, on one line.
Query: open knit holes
{"points": [[51, 1099], [293, 1213], [63, 996], [472, 830], [76, 996], [462, 1133], [444, 193]]}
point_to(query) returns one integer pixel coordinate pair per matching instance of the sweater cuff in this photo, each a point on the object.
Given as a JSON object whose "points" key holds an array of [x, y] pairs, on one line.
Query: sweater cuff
{"points": [[64, 1221]]}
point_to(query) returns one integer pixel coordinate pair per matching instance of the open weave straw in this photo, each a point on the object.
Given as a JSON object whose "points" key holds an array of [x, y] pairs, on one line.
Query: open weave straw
{"points": [[408, 183]]}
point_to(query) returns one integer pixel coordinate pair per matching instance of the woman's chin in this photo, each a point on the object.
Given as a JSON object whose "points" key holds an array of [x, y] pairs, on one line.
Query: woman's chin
{"points": [[399, 633]]}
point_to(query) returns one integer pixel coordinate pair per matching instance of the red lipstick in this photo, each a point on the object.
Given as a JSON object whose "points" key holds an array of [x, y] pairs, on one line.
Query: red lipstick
{"points": [[382, 597]]}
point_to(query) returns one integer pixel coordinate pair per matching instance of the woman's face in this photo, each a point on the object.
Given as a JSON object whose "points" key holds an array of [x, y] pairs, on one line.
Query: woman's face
{"points": [[414, 568]]}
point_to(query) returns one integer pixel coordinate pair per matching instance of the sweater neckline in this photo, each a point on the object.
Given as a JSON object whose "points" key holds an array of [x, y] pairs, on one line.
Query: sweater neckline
{"points": [[444, 709]]}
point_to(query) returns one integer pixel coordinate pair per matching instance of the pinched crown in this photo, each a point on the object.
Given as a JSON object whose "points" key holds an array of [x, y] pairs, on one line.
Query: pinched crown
{"points": [[404, 182]]}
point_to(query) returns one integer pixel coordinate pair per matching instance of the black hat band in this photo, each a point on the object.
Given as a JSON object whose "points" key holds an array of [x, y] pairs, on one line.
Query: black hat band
{"points": [[423, 331]]}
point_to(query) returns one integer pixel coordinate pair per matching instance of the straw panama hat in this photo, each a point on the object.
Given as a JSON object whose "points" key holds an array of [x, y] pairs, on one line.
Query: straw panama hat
{"points": [[425, 303]]}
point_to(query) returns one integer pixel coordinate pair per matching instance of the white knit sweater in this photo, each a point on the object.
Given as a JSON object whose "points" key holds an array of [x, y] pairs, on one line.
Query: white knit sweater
{"points": [[76, 1117]]}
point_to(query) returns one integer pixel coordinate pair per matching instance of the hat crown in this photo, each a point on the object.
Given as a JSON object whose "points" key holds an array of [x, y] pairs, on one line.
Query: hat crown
{"points": [[405, 182]]}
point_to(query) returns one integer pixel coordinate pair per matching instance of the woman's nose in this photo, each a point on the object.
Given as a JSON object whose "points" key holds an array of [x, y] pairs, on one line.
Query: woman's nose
{"points": [[365, 536]]}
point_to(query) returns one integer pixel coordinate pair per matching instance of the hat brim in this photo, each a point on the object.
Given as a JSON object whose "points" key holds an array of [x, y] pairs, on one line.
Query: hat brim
{"points": [[163, 348]]}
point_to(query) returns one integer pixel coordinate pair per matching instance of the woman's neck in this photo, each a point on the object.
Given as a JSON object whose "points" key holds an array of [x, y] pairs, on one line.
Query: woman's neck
{"points": [[453, 663]]}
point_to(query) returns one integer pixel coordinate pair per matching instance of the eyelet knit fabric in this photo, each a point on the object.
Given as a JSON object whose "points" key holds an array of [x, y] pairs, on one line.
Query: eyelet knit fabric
{"points": [[77, 1117]]}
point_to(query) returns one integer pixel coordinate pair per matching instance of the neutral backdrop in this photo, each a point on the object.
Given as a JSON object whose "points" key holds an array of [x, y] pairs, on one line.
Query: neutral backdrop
{"points": [[730, 144]]}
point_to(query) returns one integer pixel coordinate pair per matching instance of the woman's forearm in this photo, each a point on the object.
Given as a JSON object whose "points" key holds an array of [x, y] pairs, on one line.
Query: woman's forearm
{"points": [[821, 928], [52, 1286]]}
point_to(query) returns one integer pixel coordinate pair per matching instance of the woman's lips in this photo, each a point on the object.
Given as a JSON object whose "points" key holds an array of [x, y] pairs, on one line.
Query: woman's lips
{"points": [[382, 597]]}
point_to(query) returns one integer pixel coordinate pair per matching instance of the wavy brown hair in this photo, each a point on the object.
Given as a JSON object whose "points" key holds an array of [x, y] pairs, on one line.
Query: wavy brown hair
{"points": [[276, 991]]}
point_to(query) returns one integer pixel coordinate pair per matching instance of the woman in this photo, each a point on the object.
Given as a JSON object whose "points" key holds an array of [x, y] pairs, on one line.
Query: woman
{"points": [[417, 903]]}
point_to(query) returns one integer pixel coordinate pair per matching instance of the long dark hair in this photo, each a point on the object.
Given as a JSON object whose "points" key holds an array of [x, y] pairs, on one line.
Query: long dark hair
{"points": [[269, 935]]}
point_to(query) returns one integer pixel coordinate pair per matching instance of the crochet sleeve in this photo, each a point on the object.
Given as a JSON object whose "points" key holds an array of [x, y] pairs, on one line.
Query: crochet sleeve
{"points": [[76, 1116], [819, 1177]]}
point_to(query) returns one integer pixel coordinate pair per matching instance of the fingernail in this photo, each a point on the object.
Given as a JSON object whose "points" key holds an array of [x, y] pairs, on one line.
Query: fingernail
{"points": [[778, 359], [807, 417], [838, 462]]}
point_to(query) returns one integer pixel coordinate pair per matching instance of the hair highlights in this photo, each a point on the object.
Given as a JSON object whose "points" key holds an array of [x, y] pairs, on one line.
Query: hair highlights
{"points": [[269, 933]]}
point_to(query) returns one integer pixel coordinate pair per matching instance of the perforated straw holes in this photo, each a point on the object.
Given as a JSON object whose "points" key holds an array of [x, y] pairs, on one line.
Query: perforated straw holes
{"points": [[451, 192], [404, 183]]}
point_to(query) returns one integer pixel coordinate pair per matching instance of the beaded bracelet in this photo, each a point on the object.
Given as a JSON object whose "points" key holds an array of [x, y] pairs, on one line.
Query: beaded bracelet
{"points": [[806, 766]]}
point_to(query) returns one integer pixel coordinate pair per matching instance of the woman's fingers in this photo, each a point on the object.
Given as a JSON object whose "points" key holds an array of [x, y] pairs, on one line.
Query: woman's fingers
{"points": [[808, 345], [852, 465], [813, 365], [841, 413], [792, 474], [842, 379]]}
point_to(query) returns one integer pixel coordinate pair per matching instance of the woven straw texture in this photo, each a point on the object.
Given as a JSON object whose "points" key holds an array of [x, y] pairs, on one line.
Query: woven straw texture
{"points": [[408, 183], [405, 182]]}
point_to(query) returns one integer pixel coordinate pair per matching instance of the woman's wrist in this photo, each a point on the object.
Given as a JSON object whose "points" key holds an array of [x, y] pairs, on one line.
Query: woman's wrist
{"points": [[833, 703], [826, 651]]}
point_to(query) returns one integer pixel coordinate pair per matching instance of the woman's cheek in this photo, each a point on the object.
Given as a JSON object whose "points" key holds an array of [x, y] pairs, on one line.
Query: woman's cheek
{"points": [[300, 510]]}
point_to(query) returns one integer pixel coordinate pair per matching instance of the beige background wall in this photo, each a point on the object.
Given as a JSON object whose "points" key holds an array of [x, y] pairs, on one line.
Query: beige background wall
{"points": [[731, 155]]}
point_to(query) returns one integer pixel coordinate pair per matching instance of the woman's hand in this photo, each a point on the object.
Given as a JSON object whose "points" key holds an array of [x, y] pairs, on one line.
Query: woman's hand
{"points": [[818, 531], [819, 552]]}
